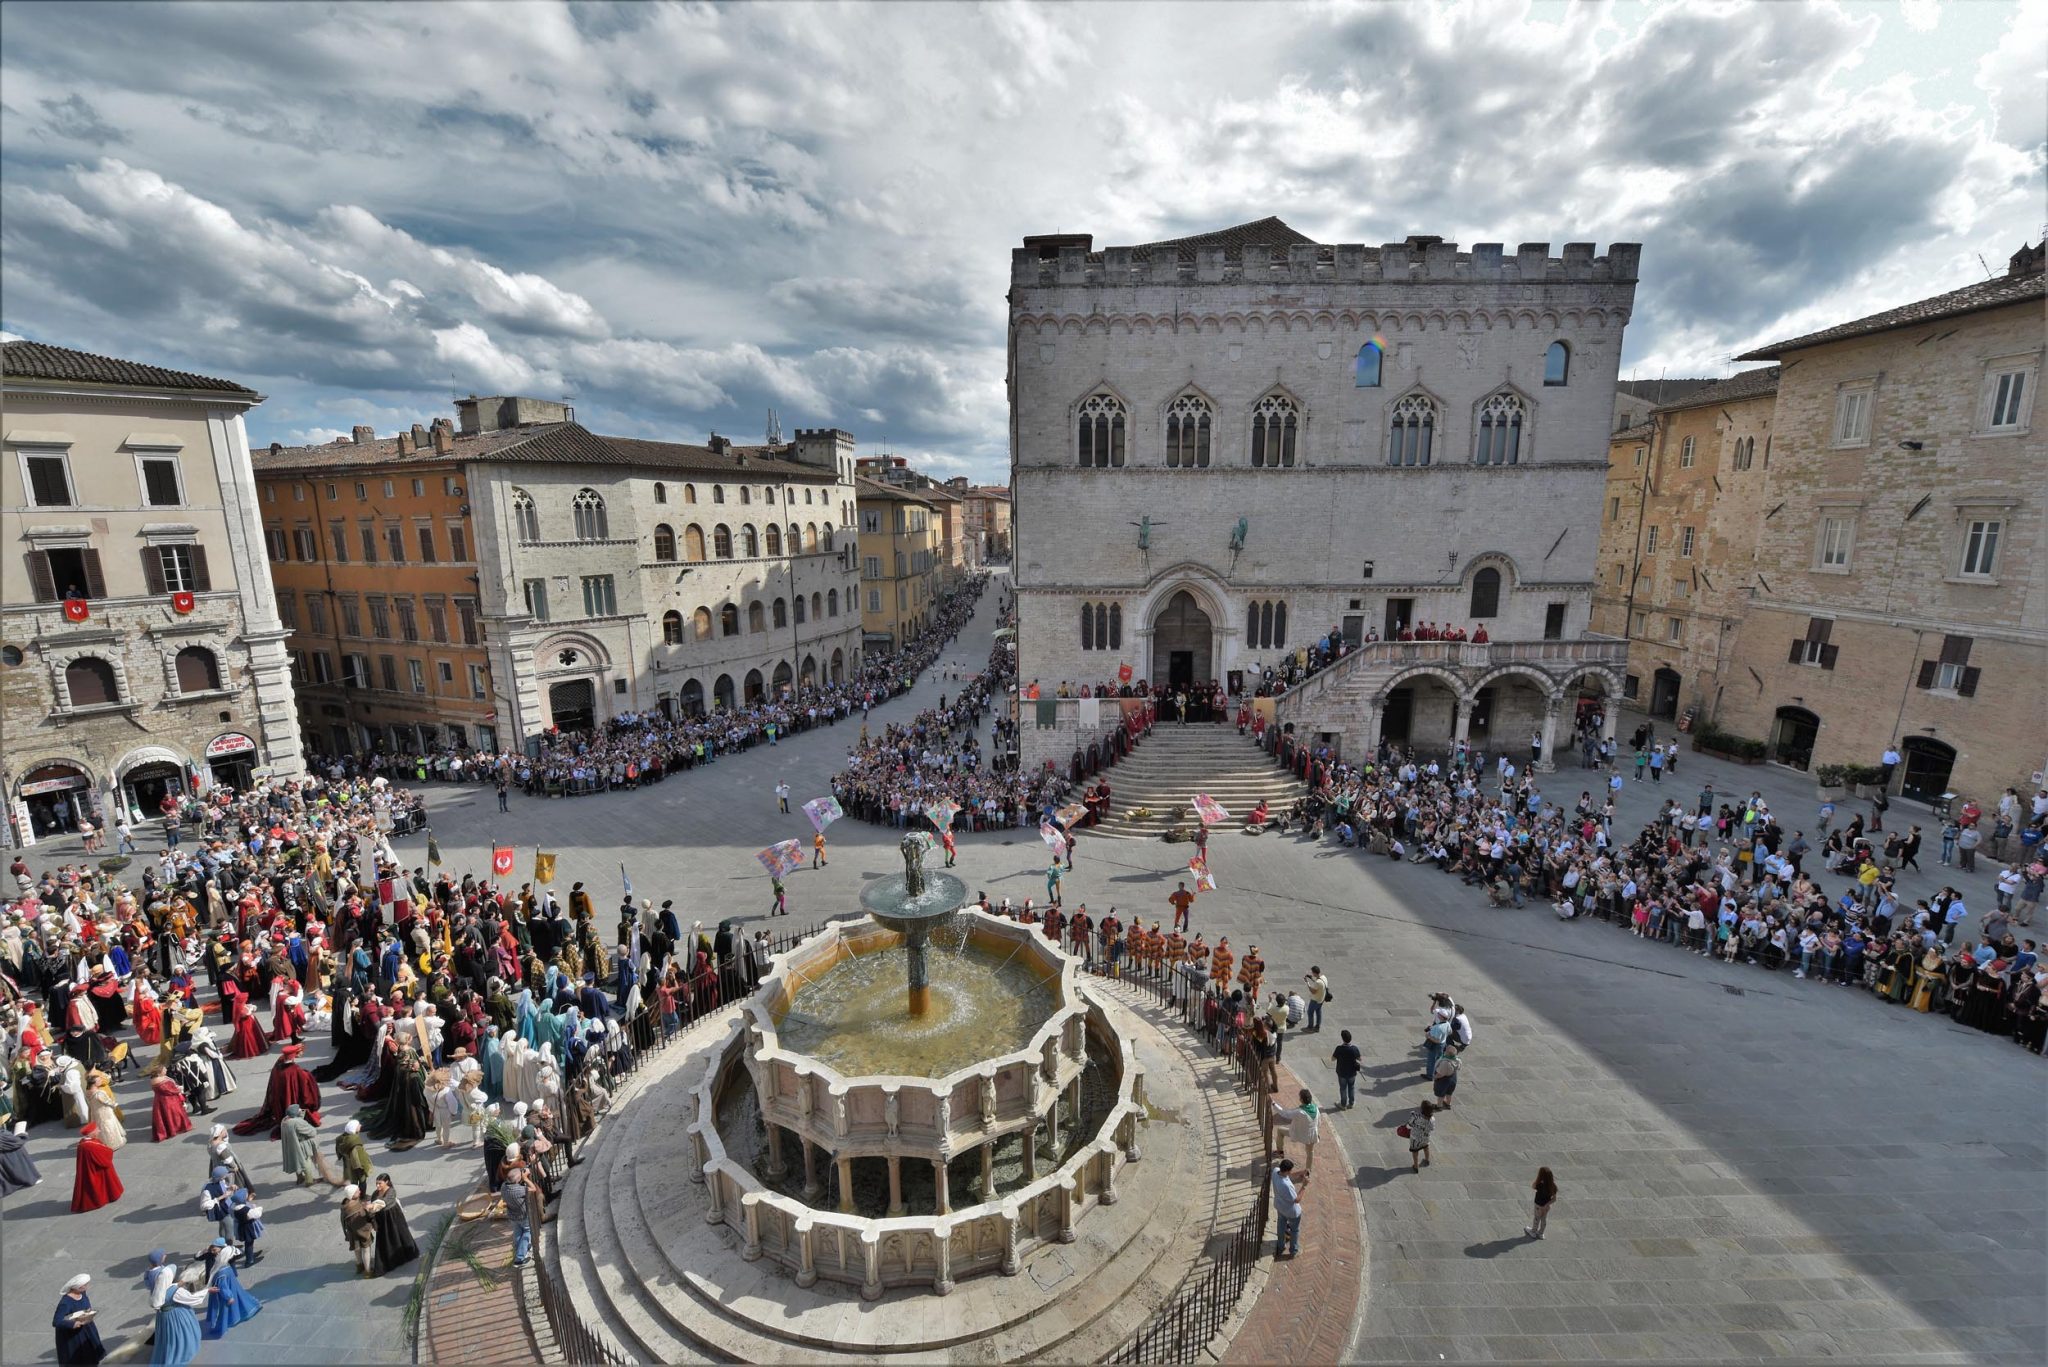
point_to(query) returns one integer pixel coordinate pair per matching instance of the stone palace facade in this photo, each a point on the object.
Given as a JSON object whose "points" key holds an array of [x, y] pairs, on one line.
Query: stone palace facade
{"points": [[1227, 445]]}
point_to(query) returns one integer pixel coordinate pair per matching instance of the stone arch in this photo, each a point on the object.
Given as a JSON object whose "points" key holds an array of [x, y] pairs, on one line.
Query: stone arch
{"points": [[1611, 682], [590, 653], [1544, 681], [1510, 572], [1446, 675]]}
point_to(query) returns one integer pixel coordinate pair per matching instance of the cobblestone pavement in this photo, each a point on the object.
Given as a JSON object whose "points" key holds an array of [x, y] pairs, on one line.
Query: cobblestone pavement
{"points": [[1752, 1166]]}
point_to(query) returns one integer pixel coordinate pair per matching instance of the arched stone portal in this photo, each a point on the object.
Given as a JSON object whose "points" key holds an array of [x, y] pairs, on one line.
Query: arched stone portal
{"points": [[572, 705], [1182, 643]]}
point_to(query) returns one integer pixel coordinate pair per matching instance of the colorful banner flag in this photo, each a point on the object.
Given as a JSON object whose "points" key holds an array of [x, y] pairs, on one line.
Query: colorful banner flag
{"points": [[502, 860], [1050, 834], [625, 878], [941, 813], [1070, 815], [1210, 810], [823, 811], [543, 867], [433, 849], [1199, 867], [781, 858]]}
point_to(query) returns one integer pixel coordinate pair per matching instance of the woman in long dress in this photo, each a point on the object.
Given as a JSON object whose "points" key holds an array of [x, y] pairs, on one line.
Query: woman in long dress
{"points": [[228, 1303], [149, 1013], [102, 1110], [395, 1246], [248, 1041], [177, 1327], [168, 1117], [78, 1338]]}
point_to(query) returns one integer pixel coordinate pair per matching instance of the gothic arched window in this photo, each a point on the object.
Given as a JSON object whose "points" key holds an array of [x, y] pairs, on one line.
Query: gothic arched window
{"points": [[773, 539], [1102, 430], [664, 542], [1557, 364], [1486, 593], [1275, 424], [672, 628], [750, 543], [591, 523], [721, 541], [1411, 432], [525, 520], [1500, 431], [1187, 434], [1366, 374]]}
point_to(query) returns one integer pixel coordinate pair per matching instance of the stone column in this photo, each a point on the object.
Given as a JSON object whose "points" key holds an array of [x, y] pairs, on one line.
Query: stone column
{"points": [[1074, 1102], [1610, 715], [1461, 726], [1012, 1229], [1069, 1200], [942, 1257], [895, 1186], [846, 1185], [1029, 1136], [714, 1208], [988, 1172], [750, 1208], [1129, 1136], [810, 1170], [943, 1203], [871, 1261], [1550, 733], [777, 1169], [807, 1251], [1106, 1155], [699, 1153]]}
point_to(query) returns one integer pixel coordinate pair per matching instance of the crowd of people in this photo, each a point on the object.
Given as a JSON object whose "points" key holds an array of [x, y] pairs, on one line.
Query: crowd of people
{"points": [[643, 748], [1721, 875]]}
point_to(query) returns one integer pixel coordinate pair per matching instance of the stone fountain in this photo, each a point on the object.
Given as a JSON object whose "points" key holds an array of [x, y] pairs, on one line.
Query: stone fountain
{"points": [[914, 905]]}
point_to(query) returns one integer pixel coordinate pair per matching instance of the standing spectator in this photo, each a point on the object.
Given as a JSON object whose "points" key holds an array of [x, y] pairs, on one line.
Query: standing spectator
{"points": [[1446, 1080], [1545, 1188], [1346, 1060], [782, 796], [1301, 1122], [1287, 1205], [1318, 993], [1966, 847], [1418, 1130]]}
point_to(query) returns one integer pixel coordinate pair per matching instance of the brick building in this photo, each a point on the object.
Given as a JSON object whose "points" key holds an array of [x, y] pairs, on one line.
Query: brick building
{"points": [[900, 548], [1685, 496], [140, 649], [1898, 585], [1225, 445], [529, 574]]}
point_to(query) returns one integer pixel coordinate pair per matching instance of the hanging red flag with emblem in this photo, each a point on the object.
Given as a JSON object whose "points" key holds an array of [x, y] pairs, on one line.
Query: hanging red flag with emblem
{"points": [[501, 860], [182, 601], [1123, 673], [75, 610]]}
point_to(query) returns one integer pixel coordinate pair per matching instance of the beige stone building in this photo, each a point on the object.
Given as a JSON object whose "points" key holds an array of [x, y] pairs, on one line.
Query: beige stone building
{"points": [[140, 649], [1899, 595], [1685, 496], [900, 531], [1227, 445], [988, 521]]}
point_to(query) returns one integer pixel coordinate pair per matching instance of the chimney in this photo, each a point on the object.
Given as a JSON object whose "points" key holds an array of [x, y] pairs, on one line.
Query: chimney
{"points": [[276, 447], [419, 437], [444, 437], [405, 443], [363, 434], [719, 445]]}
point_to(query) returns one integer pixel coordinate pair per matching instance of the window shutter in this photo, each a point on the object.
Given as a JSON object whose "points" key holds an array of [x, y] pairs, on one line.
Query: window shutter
{"points": [[1798, 655], [152, 569], [1827, 656], [42, 584], [201, 580], [1926, 674], [1955, 650], [1967, 685], [95, 582]]}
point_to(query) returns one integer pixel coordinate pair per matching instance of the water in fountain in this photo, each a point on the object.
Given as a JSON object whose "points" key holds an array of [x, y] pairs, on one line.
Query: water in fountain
{"points": [[853, 1019]]}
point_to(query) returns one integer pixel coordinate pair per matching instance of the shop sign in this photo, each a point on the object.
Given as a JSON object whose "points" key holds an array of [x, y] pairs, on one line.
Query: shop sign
{"points": [[233, 743], [55, 785]]}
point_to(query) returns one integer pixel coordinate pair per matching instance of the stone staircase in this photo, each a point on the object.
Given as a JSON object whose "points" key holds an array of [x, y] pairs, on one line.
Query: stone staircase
{"points": [[1174, 763]]}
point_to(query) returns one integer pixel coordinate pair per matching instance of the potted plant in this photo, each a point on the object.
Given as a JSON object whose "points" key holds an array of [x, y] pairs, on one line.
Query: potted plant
{"points": [[1832, 780]]}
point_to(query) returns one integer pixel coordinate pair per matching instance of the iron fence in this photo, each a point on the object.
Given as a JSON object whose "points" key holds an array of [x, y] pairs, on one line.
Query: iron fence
{"points": [[575, 1339]]}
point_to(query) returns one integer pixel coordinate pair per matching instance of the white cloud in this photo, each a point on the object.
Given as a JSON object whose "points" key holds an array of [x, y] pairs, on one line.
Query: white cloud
{"points": [[685, 214]]}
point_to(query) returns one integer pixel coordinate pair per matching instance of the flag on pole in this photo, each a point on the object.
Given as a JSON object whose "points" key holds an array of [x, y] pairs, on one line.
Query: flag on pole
{"points": [[1199, 867], [941, 813], [433, 849], [783, 857], [1070, 815], [625, 878], [1050, 834], [543, 867], [1210, 810], [502, 860], [823, 811]]}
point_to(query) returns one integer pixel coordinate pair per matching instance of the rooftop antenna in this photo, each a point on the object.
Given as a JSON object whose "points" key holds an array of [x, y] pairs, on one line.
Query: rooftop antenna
{"points": [[774, 428], [1985, 264]]}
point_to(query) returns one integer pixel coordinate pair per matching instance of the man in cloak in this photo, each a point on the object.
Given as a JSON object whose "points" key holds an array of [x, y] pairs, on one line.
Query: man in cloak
{"points": [[96, 1184], [290, 1085]]}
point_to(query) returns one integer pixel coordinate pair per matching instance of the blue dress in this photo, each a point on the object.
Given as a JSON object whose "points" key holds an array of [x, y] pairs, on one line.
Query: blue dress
{"points": [[177, 1335], [494, 1068], [230, 1304]]}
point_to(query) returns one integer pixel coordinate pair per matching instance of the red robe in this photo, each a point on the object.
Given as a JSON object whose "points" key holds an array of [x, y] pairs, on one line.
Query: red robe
{"points": [[149, 1020], [167, 1114], [290, 1085], [97, 1183]]}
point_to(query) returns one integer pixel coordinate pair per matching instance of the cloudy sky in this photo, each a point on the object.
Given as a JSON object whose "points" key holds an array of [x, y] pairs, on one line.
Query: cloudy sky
{"points": [[685, 215]]}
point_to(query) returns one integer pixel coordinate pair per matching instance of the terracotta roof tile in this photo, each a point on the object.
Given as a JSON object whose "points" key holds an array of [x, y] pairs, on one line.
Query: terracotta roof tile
{"points": [[564, 443], [41, 361], [1268, 231], [1750, 384], [1988, 294]]}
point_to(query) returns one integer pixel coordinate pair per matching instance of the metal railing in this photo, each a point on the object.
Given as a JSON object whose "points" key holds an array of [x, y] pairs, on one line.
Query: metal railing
{"points": [[1207, 1296], [575, 1339]]}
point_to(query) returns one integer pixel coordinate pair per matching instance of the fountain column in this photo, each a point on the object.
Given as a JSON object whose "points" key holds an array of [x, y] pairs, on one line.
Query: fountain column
{"points": [[988, 1172], [945, 1205], [895, 1185], [810, 1171], [777, 1169], [920, 973], [846, 1186], [1029, 1134]]}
